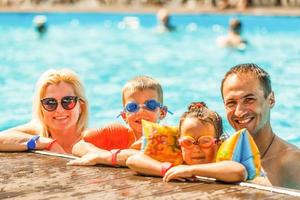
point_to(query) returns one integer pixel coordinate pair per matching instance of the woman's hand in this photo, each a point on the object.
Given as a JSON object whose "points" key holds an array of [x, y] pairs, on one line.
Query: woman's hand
{"points": [[180, 172]]}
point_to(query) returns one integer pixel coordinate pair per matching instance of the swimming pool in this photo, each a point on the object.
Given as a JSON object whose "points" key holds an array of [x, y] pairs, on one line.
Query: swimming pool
{"points": [[106, 53]]}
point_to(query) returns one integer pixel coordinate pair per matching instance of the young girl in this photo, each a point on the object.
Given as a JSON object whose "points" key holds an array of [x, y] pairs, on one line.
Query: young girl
{"points": [[200, 137]]}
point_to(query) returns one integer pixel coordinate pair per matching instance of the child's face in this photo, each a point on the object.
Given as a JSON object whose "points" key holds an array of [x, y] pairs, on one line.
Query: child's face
{"points": [[191, 130], [134, 119]]}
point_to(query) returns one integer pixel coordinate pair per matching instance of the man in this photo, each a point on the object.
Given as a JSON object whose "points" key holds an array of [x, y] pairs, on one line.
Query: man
{"points": [[248, 98]]}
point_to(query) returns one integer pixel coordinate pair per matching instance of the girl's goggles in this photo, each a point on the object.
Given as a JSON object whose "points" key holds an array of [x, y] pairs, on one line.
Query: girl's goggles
{"points": [[203, 142]]}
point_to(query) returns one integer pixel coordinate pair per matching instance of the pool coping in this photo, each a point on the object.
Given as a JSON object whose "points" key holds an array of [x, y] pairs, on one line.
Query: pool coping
{"points": [[278, 11]]}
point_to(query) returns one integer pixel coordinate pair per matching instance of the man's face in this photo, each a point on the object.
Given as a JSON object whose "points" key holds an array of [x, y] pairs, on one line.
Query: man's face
{"points": [[245, 103]]}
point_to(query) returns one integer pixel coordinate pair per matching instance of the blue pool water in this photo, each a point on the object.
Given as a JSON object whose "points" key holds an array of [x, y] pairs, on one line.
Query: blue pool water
{"points": [[106, 53]]}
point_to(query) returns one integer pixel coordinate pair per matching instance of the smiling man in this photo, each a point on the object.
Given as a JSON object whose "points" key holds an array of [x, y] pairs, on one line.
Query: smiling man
{"points": [[248, 98]]}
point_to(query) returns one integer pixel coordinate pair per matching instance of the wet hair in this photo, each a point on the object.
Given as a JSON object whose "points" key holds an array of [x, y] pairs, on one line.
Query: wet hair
{"points": [[200, 111], [141, 83], [235, 25], [56, 76], [254, 70]]}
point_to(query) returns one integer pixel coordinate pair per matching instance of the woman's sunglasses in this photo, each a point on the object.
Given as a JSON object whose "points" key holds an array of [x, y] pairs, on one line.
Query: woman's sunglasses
{"points": [[67, 102], [203, 142], [152, 105]]}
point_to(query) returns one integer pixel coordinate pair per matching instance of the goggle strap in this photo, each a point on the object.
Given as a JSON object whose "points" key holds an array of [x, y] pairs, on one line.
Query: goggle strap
{"points": [[119, 114], [166, 109]]}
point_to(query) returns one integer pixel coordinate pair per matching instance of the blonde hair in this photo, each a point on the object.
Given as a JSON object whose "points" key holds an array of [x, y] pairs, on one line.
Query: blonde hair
{"points": [[143, 83], [54, 76]]}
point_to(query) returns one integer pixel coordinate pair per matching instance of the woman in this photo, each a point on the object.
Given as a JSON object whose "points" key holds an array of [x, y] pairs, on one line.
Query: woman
{"points": [[60, 114]]}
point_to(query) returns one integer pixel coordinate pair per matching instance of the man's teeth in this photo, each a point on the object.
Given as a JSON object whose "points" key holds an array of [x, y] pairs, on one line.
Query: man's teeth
{"points": [[244, 121]]}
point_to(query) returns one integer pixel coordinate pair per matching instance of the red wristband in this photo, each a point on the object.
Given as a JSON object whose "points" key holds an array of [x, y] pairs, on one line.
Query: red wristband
{"points": [[114, 154], [165, 167], [48, 147]]}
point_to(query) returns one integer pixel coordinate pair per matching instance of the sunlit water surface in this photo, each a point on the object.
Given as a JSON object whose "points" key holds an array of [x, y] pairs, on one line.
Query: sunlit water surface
{"points": [[106, 52]]}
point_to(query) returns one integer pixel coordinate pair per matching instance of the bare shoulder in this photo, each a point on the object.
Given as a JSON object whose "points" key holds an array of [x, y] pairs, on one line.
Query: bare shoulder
{"points": [[289, 153], [291, 156], [290, 168]]}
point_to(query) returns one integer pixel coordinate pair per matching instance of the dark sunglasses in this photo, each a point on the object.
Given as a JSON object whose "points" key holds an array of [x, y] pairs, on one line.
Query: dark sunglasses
{"points": [[151, 105], [67, 102]]}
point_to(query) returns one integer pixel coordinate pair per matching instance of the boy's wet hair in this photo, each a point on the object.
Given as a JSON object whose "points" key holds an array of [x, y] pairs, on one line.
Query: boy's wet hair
{"points": [[141, 83], [254, 70], [200, 111]]}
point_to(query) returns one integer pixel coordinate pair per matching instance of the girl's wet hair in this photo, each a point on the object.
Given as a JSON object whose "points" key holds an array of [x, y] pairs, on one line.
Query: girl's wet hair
{"points": [[200, 111]]}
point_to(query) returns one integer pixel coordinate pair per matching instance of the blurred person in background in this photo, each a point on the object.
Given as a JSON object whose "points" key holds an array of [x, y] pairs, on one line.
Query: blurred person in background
{"points": [[40, 24], [233, 39], [163, 21]]}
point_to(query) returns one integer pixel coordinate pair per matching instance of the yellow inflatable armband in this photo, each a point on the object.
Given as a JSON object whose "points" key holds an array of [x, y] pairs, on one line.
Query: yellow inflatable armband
{"points": [[160, 142]]}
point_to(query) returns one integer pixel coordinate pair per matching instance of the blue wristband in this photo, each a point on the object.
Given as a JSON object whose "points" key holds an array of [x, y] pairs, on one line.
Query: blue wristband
{"points": [[31, 144]]}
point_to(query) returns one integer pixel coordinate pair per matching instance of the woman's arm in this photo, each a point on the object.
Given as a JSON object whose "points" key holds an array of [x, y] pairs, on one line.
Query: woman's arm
{"points": [[227, 171], [92, 155], [144, 164], [15, 139]]}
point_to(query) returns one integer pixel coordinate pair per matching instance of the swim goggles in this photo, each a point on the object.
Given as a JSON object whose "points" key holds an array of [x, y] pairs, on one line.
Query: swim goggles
{"points": [[204, 142], [67, 102], [151, 105]]}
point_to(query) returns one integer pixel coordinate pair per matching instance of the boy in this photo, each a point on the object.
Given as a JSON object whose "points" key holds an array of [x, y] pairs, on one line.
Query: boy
{"points": [[142, 98]]}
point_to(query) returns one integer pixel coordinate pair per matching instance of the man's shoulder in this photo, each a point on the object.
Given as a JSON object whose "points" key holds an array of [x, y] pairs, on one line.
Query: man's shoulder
{"points": [[282, 154], [288, 147], [289, 158], [290, 168], [291, 155]]}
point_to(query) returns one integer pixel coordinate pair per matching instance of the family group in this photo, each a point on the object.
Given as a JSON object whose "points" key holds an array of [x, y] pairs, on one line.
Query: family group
{"points": [[60, 124]]}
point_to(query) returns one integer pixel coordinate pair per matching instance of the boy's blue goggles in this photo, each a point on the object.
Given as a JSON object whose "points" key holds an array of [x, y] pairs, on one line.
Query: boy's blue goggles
{"points": [[151, 105]]}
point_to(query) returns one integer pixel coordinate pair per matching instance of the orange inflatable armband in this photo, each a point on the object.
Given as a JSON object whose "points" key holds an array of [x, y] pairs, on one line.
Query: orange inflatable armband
{"points": [[160, 142]]}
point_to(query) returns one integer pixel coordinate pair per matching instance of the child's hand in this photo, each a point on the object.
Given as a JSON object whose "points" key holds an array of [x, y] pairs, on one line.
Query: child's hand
{"points": [[180, 172], [136, 145], [86, 160]]}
